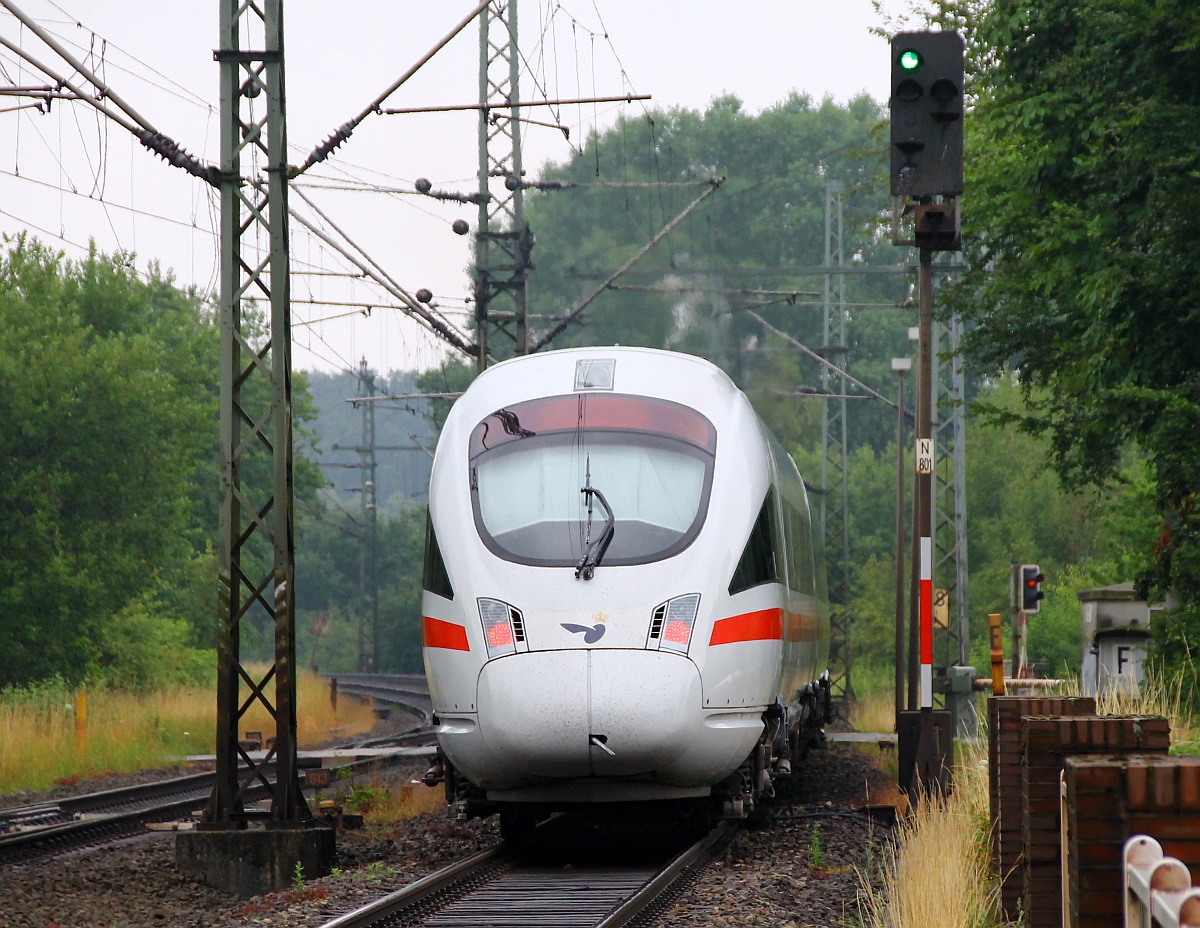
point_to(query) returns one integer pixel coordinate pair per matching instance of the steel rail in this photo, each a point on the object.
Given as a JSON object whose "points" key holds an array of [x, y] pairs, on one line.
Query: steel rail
{"points": [[71, 806], [390, 696], [495, 888], [39, 842], [416, 892], [31, 831], [397, 689], [415, 682], [145, 794], [693, 856]]}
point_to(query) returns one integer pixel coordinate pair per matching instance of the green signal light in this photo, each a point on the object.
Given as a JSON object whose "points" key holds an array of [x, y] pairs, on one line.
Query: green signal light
{"points": [[910, 60]]}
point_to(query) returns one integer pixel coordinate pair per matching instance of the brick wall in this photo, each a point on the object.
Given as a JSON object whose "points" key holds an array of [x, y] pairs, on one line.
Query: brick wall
{"points": [[1004, 781], [1045, 745], [1111, 799]]}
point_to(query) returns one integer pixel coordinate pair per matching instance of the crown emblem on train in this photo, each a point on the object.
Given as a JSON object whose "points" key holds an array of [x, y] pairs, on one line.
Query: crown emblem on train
{"points": [[591, 634]]}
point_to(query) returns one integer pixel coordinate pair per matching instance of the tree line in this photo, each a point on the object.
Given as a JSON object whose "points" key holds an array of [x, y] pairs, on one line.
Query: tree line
{"points": [[108, 397], [109, 492], [1082, 280], [1079, 292]]}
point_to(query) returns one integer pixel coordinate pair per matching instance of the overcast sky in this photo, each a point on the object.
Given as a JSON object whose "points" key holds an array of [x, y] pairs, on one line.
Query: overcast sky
{"points": [[70, 176]]}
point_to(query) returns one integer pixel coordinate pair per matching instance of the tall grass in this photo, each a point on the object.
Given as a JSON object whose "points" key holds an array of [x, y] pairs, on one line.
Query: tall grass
{"points": [[874, 711], [126, 731], [939, 872], [1174, 697]]}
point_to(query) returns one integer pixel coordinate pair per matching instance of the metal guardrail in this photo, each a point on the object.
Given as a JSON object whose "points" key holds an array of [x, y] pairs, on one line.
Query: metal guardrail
{"points": [[1158, 889]]}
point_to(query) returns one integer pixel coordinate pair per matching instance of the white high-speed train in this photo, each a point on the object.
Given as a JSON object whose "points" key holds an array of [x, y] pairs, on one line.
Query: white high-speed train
{"points": [[623, 597]]}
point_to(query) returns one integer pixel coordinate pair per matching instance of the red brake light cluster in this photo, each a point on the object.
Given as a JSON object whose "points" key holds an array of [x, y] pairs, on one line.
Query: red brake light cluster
{"points": [[678, 617], [500, 636], [499, 633]]}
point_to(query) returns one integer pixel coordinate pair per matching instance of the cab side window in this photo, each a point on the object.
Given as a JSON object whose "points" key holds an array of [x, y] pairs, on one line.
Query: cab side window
{"points": [[760, 562], [436, 579]]}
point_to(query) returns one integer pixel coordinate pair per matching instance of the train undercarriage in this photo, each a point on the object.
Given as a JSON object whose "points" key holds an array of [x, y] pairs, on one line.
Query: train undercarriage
{"points": [[787, 736]]}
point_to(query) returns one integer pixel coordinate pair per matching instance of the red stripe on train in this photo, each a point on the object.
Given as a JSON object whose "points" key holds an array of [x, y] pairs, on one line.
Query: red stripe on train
{"points": [[438, 634], [764, 625]]}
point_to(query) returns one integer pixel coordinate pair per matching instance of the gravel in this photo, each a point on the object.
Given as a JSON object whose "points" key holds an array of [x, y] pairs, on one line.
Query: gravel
{"points": [[803, 864], [799, 866]]}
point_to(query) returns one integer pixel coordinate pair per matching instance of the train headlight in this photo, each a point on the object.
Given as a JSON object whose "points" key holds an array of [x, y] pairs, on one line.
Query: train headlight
{"points": [[502, 627], [677, 621]]}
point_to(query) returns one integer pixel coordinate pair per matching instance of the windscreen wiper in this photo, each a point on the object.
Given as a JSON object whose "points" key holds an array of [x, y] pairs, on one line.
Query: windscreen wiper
{"points": [[595, 550]]}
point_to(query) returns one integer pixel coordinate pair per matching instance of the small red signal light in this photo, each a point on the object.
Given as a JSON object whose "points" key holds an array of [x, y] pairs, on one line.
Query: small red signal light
{"points": [[1031, 593]]}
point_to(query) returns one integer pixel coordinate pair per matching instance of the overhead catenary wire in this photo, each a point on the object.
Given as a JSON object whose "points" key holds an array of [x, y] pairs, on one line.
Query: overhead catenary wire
{"points": [[340, 364], [113, 107], [790, 297], [512, 105], [411, 302], [153, 140], [344, 131], [381, 397], [364, 310], [77, 94], [688, 288], [666, 230], [43, 230], [65, 85], [187, 94], [372, 269], [100, 200], [815, 356], [105, 91], [434, 325]]}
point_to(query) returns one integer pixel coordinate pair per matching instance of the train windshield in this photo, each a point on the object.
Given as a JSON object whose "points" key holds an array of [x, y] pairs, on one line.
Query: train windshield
{"points": [[651, 459]]}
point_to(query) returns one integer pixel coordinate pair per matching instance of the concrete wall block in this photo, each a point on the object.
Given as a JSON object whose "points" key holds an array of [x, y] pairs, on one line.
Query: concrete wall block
{"points": [[253, 861]]}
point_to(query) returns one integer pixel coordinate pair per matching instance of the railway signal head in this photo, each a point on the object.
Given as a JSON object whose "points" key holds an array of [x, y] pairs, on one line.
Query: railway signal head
{"points": [[1031, 588], [927, 114]]}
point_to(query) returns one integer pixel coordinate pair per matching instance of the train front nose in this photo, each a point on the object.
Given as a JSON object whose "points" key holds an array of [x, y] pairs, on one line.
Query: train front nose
{"points": [[588, 713]]}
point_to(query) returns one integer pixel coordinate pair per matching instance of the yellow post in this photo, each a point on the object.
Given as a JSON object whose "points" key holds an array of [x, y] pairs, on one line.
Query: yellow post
{"points": [[996, 630], [81, 722]]}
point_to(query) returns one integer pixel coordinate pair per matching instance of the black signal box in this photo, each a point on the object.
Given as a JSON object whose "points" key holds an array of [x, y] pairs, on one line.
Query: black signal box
{"points": [[927, 114]]}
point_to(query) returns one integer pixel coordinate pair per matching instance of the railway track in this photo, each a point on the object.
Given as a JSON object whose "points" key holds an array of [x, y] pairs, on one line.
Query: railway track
{"points": [[33, 832], [28, 833], [407, 690], [545, 886]]}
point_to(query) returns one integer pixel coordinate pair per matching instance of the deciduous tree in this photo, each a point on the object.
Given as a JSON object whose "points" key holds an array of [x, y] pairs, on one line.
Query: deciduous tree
{"points": [[1083, 224]]}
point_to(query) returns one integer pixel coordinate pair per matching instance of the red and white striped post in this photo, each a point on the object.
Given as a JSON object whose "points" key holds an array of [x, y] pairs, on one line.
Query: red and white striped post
{"points": [[930, 774], [926, 621]]}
